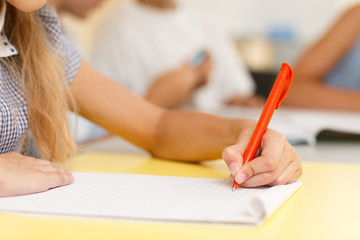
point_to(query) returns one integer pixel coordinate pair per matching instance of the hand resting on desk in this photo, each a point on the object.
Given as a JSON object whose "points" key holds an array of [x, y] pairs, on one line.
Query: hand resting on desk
{"points": [[21, 175]]}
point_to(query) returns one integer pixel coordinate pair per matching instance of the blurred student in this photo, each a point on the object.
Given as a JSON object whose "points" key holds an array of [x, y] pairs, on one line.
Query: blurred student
{"points": [[43, 77], [160, 51], [78, 8], [327, 76]]}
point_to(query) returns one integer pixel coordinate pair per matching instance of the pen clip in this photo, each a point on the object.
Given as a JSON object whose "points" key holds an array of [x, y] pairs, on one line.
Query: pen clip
{"points": [[289, 78]]}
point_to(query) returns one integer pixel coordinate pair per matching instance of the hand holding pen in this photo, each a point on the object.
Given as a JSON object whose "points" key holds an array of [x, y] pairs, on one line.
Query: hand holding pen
{"points": [[277, 162]]}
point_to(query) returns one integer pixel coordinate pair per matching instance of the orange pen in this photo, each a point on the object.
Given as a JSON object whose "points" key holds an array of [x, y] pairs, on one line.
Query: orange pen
{"points": [[277, 95]]}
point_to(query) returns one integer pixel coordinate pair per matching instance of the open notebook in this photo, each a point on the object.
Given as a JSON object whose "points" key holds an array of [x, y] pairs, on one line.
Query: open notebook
{"points": [[154, 198], [303, 126]]}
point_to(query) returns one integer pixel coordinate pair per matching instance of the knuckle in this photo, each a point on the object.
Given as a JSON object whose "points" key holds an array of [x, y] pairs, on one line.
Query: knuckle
{"points": [[293, 153], [280, 181], [59, 178], [229, 154], [281, 138], [268, 177], [270, 163], [58, 170], [225, 153], [63, 178], [277, 136], [251, 169]]}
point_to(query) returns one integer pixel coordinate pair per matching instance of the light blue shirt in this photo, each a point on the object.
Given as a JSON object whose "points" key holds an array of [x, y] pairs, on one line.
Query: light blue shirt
{"points": [[346, 73]]}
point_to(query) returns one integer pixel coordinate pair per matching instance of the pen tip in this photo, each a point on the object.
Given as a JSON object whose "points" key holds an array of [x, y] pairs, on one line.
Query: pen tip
{"points": [[234, 188]]}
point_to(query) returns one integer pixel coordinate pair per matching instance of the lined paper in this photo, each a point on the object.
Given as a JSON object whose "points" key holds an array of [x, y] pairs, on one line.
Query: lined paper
{"points": [[154, 198]]}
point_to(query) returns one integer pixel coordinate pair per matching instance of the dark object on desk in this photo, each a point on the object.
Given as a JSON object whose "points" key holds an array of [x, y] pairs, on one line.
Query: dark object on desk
{"points": [[329, 135], [264, 82]]}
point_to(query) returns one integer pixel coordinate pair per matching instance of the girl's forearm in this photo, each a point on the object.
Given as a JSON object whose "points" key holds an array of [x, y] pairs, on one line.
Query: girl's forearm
{"points": [[195, 136]]}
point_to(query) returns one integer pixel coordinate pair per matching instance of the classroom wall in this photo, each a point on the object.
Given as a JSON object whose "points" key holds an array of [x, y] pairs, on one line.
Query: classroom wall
{"points": [[301, 21], [307, 18], [270, 32]]}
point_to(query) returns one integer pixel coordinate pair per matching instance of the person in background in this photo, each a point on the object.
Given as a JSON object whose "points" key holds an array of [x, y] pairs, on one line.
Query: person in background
{"points": [[327, 76], [43, 76], [162, 52], [78, 8]]}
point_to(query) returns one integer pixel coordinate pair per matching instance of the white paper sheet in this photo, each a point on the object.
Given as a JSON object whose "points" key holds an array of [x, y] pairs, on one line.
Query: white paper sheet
{"points": [[154, 198]]}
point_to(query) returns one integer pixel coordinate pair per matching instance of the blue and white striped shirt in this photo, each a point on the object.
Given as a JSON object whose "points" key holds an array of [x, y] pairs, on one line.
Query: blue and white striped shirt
{"points": [[13, 106]]}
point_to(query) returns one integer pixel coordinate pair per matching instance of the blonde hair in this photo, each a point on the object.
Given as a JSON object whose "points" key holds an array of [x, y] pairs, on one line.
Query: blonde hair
{"points": [[40, 72]]}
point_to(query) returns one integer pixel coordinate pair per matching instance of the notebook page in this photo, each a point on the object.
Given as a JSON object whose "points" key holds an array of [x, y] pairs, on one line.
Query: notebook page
{"points": [[145, 197], [269, 201]]}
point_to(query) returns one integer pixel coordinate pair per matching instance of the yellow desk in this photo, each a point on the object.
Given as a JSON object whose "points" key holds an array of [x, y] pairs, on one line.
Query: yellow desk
{"points": [[326, 207]]}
